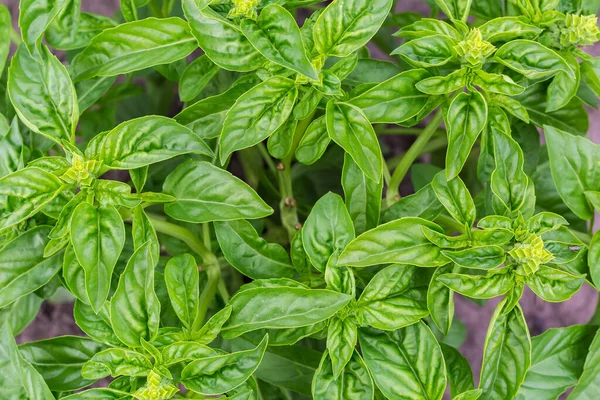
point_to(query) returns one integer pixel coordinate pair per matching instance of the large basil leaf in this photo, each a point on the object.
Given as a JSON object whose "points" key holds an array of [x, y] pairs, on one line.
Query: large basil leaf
{"points": [[21, 312], [440, 300], [212, 31], [507, 354], [95, 325], [257, 114], [573, 162], [342, 335], [98, 237], [394, 100], [391, 300], [466, 119], [206, 193], [148, 140], [427, 52], [23, 268], [557, 361], [589, 383], [362, 196], [133, 46], [59, 360], [5, 21], [182, 281], [349, 128], [250, 254], [18, 379], [554, 285], [135, 308], [401, 241], [281, 307], [409, 355], [276, 36], [532, 59], [12, 151], [35, 17], [222, 373], [346, 25], [459, 371], [328, 229], [355, 382], [195, 77], [506, 29], [424, 204], [43, 95], [25, 192], [313, 144]]}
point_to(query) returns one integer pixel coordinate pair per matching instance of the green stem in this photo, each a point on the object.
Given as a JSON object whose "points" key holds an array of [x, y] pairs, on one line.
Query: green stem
{"points": [[393, 193], [211, 264], [15, 37], [267, 157], [451, 223], [406, 131], [288, 206]]}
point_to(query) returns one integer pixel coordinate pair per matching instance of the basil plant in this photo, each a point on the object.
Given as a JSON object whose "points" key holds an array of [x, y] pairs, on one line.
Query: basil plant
{"points": [[216, 186]]}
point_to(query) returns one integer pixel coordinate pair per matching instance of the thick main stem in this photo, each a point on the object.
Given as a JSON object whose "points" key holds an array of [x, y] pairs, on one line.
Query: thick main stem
{"points": [[393, 190], [288, 206]]}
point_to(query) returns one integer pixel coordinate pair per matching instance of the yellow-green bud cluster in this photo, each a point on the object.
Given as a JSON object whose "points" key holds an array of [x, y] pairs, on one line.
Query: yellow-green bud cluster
{"points": [[156, 389], [244, 8], [473, 50], [530, 254], [81, 171], [577, 30]]}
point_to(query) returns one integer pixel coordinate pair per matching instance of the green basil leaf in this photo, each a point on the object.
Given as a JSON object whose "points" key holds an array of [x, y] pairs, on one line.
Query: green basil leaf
{"points": [[478, 286], [467, 117], [98, 237], [142, 231], [257, 114], [459, 371], [99, 393], [5, 24], [281, 141], [250, 254], [594, 259], [350, 129], [394, 100], [212, 327], [18, 379], [206, 193], [455, 197], [497, 83], [554, 285], [506, 355], [572, 118], [426, 52], [328, 229], [506, 29], [212, 30], [135, 309], [35, 17], [439, 85], [281, 307], [362, 195], [355, 382], [572, 161], [222, 373], [564, 86], [313, 144], [74, 275], [148, 140], [391, 301], [409, 355], [185, 351], [478, 257], [12, 150], [59, 360], [277, 37], [23, 272], [532, 59], [342, 335], [116, 362], [182, 281], [455, 9], [49, 110], [346, 25], [134, 46], [307, 103], [95, 325], [400, 241], [428, 27], [424, 204], [440, 300], [73, 29], [195, 77], [206, 117], [512, 188], [20, 313], [557, 361], [588, 383]]}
